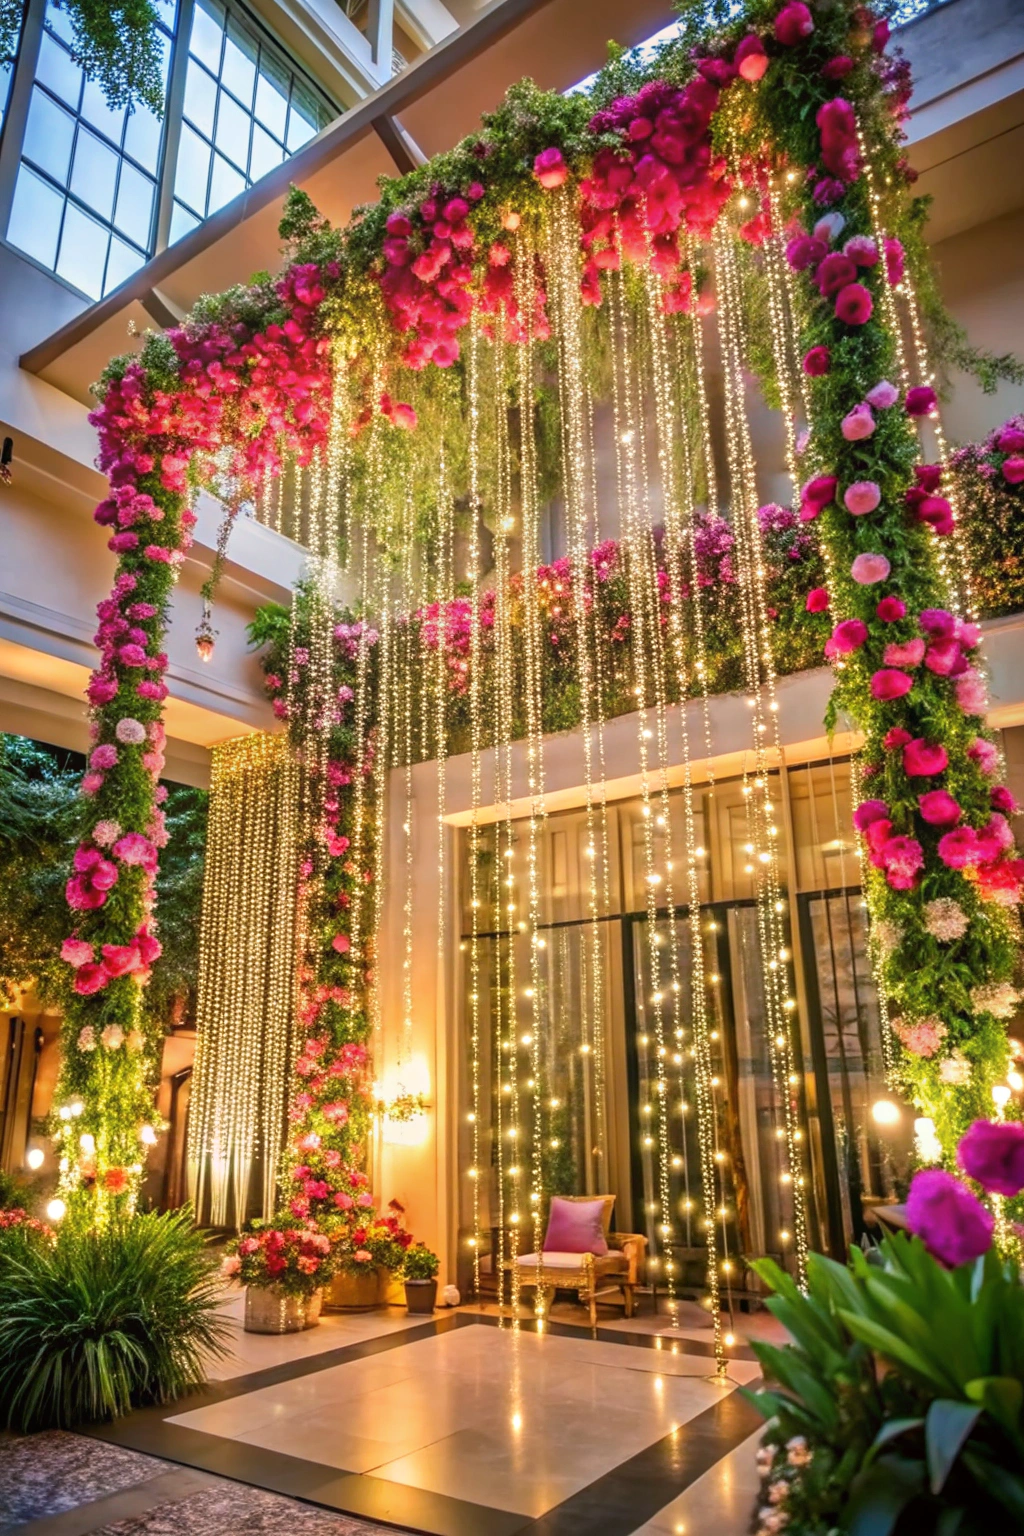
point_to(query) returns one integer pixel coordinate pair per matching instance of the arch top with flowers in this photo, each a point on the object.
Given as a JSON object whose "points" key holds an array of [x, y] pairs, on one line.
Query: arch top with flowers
{"points": [[771, 144]]}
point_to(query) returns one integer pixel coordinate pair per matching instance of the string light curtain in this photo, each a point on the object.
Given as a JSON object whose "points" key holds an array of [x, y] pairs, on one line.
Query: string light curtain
{"points": [[246, 993]]}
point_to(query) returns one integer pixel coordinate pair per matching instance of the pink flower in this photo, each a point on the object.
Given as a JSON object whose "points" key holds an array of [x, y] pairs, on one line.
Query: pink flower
{"points": [[77, 952], [894, 261], [550, 168], [819, 491], [993, 1153], [945, 658], [793, 23], [902, 858], [817, 600], [90, 978], [341, 943], [960, 848], [834, 273], [1013, 470], [868, 569], [863, 252], [103, 757], [921, 759], [133, 848], [838, 68], [883, 395], [868, 812], [890, 609], [938, 808], [120, 959], [858, 423], [131, 732], [750, 59], [955, 1226], [887, 683], [853, 304], [848, 636], [361, 1256], [862, 496], [909, 654], [343, 1201], [895, 739], [921, 401], [106, 832], [970, 693], [817, 362], [1010, 439], [364, 1198]]}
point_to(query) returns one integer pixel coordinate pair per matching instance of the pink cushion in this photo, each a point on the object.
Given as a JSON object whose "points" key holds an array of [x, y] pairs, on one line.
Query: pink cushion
{"points": [[576, 1226]]}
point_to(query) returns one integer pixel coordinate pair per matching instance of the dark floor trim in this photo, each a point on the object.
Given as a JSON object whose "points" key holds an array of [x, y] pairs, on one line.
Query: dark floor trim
{"points": [[615, 1505]]}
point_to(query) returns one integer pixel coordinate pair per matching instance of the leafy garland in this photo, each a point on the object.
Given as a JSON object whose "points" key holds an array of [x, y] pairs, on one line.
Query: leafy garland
{"points": [[116, 43], [246, 382]]}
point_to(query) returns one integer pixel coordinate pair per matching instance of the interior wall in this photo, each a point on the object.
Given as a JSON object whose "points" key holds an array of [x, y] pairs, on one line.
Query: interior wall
{"points": [[982, 277]]}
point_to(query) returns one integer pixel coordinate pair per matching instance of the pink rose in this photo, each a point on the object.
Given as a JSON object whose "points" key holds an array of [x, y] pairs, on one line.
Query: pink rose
{"points": [[858, 423], [89, 979], [922, 759], [890, 609], [77, 952], [1013, 470], [938, 808], [868, 812], [984, 753], [883, 395], [817, 600], [868, 569], [960, 848], [793, 23], [854, 305], [862, 496], [888, 683], [848, 636], [817, 362]]}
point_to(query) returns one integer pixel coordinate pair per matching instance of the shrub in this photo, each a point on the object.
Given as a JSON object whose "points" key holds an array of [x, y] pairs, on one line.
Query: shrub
{"points": [[298, 1260], [420, 1263], [101, 1321], [899, 1405]]}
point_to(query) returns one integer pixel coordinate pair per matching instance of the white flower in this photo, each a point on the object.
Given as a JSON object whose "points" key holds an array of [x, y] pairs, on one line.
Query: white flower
{"points": [[87, 1038], [998, 998], [887, 935], [955, 1071], [113, 1037], [945, 919], [798, 1452], [106, 832], [131, 732]]}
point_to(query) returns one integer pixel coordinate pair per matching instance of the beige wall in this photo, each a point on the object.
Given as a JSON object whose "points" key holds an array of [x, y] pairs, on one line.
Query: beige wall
{"points": [[982, 277]]}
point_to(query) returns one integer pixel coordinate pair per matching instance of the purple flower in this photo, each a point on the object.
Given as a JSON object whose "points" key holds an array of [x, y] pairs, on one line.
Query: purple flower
{"points": [[993, 1153], [956, 1227]]}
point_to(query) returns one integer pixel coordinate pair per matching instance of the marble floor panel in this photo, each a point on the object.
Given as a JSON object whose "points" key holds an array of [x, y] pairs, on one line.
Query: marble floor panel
{"points": [[717, 1504], [508, 1420], [248, 1352]]}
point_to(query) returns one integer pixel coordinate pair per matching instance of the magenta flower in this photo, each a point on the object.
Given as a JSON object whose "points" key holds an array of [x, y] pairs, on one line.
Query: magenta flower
{"points": [[890, 609], [1010, 439], [895, 260], [862, 496], [921, 401], [902, 857], [341, 943], [854, 304], [77, 952], [888, 683], [817, 600], [895, 739], [89, 979], [817, 362], [1013, 470], [883, 395], [921, 759], [868, 569], [103, 757], [868, 812], [960, 848], [863, 252], [993, 1153], [909, 654], [550, 168], [938, 808], [793, 23], [750, 60], [848, 636], [956, 1227]]}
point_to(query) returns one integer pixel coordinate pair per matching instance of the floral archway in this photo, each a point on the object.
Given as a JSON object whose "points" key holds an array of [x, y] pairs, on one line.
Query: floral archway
{"points": [[747, 184]]}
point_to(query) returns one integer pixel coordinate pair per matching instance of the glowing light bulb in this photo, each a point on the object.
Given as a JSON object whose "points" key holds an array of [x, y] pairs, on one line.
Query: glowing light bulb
{"points": [[885, 1112], [56, 1210], [34, 1157]]}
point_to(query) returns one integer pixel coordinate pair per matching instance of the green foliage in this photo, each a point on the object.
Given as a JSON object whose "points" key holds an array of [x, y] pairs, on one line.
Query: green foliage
{"points": [[117, 44], [420, 1263], [102, 1321], [179, 892], [898, 1407], [39, 820]]}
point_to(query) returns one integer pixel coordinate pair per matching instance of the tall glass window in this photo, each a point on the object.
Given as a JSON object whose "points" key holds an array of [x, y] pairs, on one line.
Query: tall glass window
{"points": [[245, 111], [85, 199]]}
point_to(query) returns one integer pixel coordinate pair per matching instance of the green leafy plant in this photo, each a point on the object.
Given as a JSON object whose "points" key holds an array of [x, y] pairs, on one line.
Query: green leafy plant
{"points": [[105, 1320], [420, 1263], [897, 1408]]}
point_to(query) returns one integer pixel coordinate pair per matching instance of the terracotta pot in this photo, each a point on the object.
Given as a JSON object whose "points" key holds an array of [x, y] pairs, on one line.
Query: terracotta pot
{"points": [[354, 1292], [269, 1310], [421, 1295]]}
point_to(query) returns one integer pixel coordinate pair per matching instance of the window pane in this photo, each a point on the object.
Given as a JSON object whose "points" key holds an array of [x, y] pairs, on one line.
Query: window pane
{"points": [[96, 111], [58, 20], [134, 214], [83, 251], [121, 263], [207, 33], [233, 131], [304, 118], [181, 222], [239, 72], [35, 217], [200, 97], [48, 135], [266, 153], [193, 169], [167, 11], [225, 183], [142, 137], [272, 96], [94, 173], [57, 70]]}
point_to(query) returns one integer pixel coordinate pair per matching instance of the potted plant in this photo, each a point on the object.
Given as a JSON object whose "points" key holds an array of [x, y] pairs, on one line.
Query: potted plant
{"points": [[419, 1271], [283, 1270], [367, 1247]]}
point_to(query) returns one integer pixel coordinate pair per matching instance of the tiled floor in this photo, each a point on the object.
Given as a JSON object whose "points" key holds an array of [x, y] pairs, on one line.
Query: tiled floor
{"points": [[452, 1427]]}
